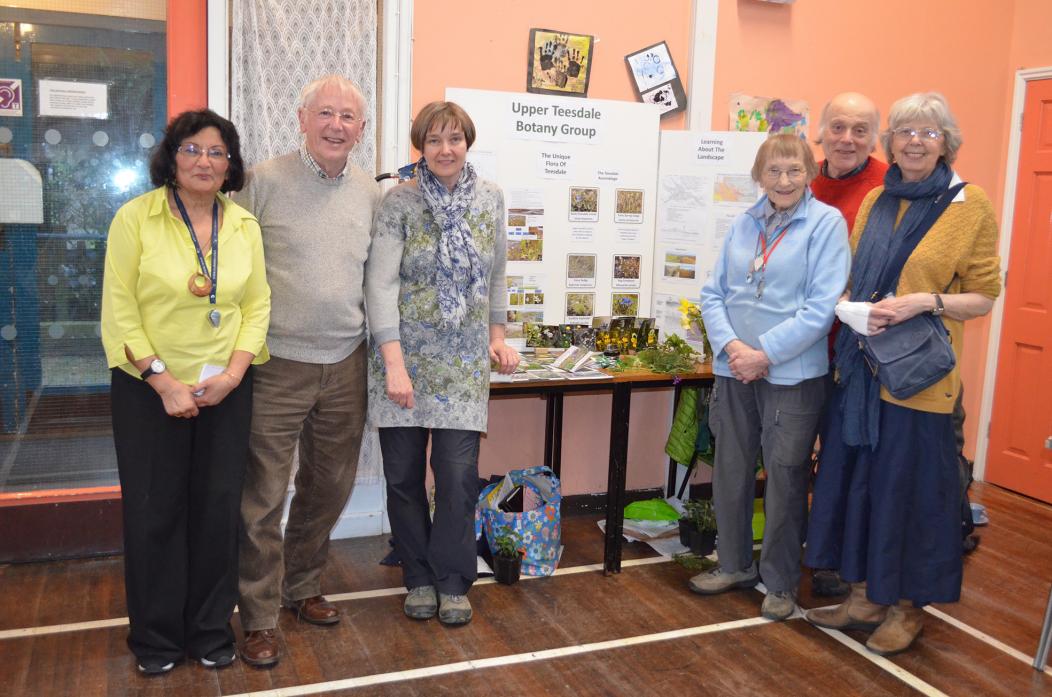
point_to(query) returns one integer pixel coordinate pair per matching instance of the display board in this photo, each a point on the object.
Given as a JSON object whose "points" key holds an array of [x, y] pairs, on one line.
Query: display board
{"points": [[579, 180], [704, 183]]}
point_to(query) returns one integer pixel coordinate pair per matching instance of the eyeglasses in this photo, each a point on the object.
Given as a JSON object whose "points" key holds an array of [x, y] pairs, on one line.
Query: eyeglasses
{"points": [[774, 174], [907, 133], [195, 151], [326, 115]]}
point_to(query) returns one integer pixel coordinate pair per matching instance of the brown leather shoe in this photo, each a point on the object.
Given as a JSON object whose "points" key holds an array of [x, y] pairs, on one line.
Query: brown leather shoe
{"points": [[261, 648], [316, 610], [857, 612], [897, 632]]}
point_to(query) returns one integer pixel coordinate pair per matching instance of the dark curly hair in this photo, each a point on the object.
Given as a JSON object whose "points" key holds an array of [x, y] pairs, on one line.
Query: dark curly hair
{"points": [[185, 125]]}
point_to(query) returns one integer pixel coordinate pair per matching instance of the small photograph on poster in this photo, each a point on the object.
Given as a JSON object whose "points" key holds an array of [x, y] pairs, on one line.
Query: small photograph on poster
{"points": [[580, 271], [768, 114], [517, 315], [662, 96], [559, 63], [533, 298], [680, 264], [626, 271], [624, 304], [734, 188], [584, 204], [525, 234], [579, 308], [629, 206]]}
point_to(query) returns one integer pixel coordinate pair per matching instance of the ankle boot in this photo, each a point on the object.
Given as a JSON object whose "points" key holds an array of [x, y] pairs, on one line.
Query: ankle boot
{"points": [[857, 612], [897, 632]]}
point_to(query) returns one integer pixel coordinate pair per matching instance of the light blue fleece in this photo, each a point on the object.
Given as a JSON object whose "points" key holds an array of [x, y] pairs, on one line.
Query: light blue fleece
{"points": [[805, 276]]}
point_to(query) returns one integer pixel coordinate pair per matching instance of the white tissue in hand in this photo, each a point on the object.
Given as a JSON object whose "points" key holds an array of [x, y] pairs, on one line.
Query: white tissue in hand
{"points": [[854, 315]]}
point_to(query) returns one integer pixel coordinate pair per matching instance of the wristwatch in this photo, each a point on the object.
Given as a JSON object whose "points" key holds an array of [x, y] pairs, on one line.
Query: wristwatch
{"points": [[939, 307], [156, 367]]}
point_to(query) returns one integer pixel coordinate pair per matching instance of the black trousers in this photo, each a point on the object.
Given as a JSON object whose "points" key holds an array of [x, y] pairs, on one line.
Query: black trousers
{"points": [[440, 553], [181, 483]]}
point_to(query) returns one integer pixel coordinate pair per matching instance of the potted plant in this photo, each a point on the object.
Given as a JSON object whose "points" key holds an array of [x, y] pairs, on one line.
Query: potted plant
{"points": [[697, 527], [507, 558]]}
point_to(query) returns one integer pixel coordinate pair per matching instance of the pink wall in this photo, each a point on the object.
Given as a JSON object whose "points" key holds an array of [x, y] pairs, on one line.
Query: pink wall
{"points": [[809, 50]]}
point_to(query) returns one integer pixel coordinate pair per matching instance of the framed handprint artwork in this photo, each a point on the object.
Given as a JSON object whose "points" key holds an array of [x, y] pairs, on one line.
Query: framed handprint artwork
{"points": [[655, 78], [559, 63]]}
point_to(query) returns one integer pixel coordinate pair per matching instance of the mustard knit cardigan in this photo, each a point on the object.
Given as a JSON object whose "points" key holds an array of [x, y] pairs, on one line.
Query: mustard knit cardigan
{"points": [[959, 251]]}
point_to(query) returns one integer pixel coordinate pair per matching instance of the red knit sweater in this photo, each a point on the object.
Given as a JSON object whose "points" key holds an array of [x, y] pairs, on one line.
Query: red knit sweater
{"points": [[846, 194]]}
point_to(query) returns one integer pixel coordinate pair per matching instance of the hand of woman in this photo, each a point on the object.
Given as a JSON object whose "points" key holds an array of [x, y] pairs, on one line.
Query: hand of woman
{"points": [[400, 387], [178, 400], [506, 358], [901, 308], [748, 364], [214, 390]]}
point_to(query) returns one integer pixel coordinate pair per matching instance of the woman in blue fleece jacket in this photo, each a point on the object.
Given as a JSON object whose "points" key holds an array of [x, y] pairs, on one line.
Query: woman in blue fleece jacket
{"points": [[768, 307]]}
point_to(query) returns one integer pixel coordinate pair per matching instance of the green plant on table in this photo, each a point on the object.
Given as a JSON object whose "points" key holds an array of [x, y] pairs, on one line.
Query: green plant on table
{"points": [[673, 355]]}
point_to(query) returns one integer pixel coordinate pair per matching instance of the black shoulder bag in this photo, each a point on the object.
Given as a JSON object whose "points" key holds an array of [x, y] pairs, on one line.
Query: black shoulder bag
{"points": [[912, 355]]}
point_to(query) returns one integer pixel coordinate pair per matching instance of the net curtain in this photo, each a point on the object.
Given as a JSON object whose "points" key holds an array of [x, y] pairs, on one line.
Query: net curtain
{"points": [[278, 47]]}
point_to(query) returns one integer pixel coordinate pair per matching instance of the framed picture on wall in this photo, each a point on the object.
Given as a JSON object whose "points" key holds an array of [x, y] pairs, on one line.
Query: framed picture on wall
{"points": [[655, 78], [559, 63]]}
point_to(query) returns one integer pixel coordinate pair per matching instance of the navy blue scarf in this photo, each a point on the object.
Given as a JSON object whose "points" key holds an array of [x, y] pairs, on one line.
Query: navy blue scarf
{"points": [[879, 242]]}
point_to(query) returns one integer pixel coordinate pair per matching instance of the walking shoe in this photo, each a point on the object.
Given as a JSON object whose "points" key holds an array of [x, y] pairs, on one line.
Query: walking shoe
{"points": [[857, 612], [898, 630], [453, 609], [717, 580], [260, 648], [316, 610], [219, 658], [826, 583], [779, 605], [151, 665], [421, 603]]}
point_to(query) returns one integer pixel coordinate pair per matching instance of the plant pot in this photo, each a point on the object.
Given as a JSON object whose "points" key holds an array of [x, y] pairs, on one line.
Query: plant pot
{"points": [[700, 542], [684, 532], [506, 569]]}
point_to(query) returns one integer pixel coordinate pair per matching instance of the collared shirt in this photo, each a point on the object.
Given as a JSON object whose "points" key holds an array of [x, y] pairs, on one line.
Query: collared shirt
{"points": [[147, 307], [856, 170], [774, 218], [312, 164]]}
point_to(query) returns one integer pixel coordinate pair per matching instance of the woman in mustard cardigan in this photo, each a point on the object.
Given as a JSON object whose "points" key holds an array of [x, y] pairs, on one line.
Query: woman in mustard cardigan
{"points": [[886, 508]]}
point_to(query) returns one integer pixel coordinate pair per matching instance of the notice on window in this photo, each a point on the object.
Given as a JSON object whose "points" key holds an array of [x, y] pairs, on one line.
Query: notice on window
{"points": [[79, 100], [10, 97]]}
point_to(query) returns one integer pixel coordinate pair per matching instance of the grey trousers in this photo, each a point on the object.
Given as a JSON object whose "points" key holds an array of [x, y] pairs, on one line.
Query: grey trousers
{"points": [[441, 553], [782, 422], [319, 408]]}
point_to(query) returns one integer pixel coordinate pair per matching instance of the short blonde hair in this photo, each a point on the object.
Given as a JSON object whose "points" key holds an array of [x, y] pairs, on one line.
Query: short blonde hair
{"points": [[784, 145], [439, 116], [924, 106], [339, 82]]}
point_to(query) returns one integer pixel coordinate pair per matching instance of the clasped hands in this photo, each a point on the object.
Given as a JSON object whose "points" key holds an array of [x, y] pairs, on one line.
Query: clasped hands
{"points": [[746, 363]]}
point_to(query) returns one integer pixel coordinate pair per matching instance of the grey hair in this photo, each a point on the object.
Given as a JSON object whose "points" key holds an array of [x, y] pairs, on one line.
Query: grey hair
{"points": [[922, 106], [341, 83], [823, 121]]}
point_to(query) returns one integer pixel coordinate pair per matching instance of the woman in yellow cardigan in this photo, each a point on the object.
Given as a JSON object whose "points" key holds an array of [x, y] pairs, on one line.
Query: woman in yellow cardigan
{"points": [[185, 311], [886, 508]]}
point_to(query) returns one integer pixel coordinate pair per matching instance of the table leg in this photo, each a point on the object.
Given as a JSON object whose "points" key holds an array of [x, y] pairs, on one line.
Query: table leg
{"points": [[617, 474], [549, 422], [673, 466], [557, 434]]}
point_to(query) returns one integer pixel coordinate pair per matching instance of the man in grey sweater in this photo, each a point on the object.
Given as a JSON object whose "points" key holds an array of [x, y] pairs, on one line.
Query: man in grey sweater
{"points": [[315, 208]]}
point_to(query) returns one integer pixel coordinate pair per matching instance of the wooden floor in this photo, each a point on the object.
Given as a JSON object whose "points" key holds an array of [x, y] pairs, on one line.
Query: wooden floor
{"points": [[639, 633]]}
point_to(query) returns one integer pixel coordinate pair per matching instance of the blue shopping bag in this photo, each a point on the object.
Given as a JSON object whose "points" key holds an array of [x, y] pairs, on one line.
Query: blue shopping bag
{"points": [[538, 528]]}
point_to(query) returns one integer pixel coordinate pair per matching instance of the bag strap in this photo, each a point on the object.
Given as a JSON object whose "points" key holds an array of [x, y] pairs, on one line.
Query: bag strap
{"points": [[890, 277]]}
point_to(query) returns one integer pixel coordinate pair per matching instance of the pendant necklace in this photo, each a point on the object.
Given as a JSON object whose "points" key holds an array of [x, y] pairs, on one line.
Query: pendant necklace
{"points": [[203, 282], [759, 264]]}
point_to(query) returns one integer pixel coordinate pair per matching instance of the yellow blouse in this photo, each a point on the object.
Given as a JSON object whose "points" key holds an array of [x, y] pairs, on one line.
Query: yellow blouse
{"points": [[147, 306]]}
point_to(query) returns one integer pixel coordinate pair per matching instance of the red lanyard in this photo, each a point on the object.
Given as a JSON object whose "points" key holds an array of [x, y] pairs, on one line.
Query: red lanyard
{"points": [[766, 253]]}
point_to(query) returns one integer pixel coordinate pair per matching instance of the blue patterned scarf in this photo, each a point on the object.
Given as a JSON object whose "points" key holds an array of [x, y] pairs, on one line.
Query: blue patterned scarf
{"points": [[879, 242], [459, 275]]}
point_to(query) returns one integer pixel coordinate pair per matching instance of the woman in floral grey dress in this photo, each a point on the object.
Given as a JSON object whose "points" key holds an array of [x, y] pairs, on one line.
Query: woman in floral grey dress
{"points": [[437, 301]]}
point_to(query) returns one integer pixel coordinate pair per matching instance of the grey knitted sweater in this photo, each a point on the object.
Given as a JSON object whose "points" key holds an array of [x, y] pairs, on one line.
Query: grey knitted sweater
{"points": [[316, 237]]}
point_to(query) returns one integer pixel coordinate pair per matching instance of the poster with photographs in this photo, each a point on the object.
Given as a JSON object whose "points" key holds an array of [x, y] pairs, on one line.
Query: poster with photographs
{"points": [[626, 271], [584, 204], [656, 79], [559, 63], [629, 206], [580, 307], [525, 234], [580, 271]]}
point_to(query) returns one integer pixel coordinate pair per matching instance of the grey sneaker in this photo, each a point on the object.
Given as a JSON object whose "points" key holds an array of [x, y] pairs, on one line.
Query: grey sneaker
{"points": [[454, 609], [778, 606], [421, 603], [717, 580]]}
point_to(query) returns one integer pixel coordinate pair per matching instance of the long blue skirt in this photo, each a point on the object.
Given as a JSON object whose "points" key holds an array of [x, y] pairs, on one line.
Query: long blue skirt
{"points": [[890, 516]]}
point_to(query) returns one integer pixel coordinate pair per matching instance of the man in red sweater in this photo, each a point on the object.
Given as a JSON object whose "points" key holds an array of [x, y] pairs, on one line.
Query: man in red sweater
{"points": [[848, 133]]}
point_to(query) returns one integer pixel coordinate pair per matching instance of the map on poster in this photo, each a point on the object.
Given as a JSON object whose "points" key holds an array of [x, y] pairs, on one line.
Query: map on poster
{"points": [[579, 180]]}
